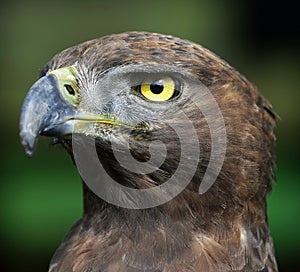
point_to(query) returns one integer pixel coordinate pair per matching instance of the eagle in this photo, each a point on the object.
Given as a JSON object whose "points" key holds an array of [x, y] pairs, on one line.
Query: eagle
{"points": [[175, 151]]}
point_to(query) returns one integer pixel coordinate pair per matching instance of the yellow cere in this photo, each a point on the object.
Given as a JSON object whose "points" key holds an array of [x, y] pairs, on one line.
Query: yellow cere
{"points": [[158, 90], [67, 84]]}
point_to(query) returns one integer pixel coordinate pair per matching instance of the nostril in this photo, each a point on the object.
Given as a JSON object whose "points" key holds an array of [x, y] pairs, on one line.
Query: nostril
{"points": [[70, 89]]}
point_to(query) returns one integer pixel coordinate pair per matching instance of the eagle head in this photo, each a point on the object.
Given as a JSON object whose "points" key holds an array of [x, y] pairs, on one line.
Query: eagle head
{"points": [[166, 137]]}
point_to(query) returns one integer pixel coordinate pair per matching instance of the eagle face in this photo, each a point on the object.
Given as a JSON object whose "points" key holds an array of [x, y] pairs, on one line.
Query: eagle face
{"points": [[150, 121]]}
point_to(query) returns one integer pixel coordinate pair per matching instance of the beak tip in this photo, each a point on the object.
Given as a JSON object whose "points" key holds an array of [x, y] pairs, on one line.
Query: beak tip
{"points": [[29, 153], [29, 143]]}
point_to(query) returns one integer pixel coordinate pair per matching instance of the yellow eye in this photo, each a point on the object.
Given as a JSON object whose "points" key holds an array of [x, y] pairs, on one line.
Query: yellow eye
{"points": [[159, 90]]}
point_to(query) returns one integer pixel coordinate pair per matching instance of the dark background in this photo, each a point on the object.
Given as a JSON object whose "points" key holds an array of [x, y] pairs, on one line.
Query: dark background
{"points": [[41, 197]]}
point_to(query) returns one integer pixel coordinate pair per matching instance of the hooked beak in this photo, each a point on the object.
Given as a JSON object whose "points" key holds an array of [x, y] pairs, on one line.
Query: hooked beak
{"points": [[51, 108], [44, 112]]}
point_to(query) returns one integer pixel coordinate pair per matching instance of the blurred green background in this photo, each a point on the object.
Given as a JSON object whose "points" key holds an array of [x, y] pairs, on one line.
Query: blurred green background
{"points": [[41, 197]]}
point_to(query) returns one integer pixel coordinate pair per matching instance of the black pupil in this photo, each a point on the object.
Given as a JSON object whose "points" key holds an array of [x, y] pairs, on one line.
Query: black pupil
{"points": [[157, 87]]}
